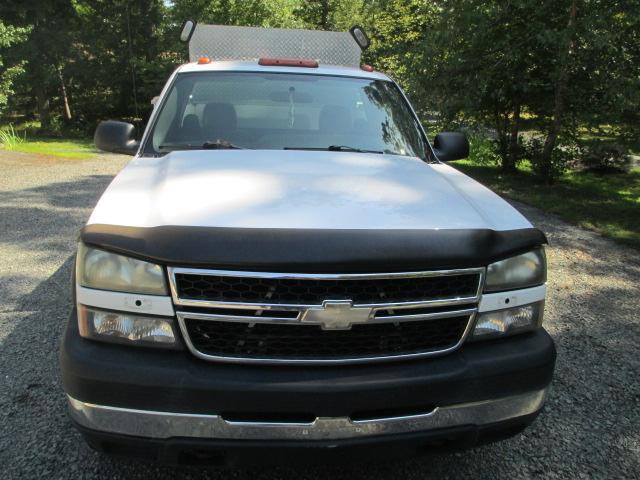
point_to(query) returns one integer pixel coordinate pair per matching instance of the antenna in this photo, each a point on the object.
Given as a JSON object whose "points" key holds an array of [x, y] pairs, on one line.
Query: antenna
{"points": [[131, 65]]}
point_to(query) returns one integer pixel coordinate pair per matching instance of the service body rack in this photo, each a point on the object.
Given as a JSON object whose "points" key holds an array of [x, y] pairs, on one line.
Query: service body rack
{"points": [[221, 42]]}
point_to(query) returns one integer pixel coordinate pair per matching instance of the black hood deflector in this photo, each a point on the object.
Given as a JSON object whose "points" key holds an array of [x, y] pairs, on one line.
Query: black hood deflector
{"points": [[313, 250]]}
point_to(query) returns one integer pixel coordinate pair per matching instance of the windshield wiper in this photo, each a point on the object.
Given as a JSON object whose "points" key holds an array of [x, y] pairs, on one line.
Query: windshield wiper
{"points": [[336, 148], [345, 148], [220, 145], [217, 145]]}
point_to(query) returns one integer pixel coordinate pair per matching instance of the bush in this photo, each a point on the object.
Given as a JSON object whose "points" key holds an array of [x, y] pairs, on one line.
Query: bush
{"points": [[564, 156], [483, 150], [606, 157]]}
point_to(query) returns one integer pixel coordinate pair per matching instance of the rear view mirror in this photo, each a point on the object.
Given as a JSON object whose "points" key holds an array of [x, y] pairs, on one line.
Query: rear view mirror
{"points": [[286, 97], [116, 137], [451, 146]]}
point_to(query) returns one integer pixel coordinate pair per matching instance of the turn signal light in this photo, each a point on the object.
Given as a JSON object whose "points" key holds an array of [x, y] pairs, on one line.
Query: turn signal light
{"points": [[509, 321], [125, 328]]}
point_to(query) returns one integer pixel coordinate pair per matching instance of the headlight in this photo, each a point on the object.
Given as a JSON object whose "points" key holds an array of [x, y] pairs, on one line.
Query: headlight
{"points": [[521, 271], [127, 328], [509, 321], [107, 271]]}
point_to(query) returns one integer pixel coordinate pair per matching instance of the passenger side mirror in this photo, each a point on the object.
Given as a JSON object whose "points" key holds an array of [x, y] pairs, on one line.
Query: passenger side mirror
{"points": [[116, 137], [451, 146]]}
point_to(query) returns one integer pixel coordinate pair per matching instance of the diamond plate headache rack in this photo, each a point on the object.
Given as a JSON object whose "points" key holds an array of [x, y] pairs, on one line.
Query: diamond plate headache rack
{"points": [[221, 42]]}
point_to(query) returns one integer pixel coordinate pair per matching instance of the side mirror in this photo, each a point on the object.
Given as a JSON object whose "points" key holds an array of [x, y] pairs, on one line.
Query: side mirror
{"points": [[451, 146], [116, 137]]}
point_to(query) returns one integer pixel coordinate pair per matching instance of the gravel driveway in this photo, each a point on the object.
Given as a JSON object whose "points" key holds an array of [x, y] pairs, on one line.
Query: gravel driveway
{"points": [[590, 428]]}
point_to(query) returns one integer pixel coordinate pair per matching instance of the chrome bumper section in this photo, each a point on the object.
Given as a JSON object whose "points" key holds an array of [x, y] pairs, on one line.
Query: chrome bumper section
{"points": [[162, 425]]}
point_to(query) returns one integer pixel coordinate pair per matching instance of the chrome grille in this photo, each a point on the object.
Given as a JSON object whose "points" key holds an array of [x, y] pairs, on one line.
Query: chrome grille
{"points": [[324, 318], [304, 291], [300, 342]]}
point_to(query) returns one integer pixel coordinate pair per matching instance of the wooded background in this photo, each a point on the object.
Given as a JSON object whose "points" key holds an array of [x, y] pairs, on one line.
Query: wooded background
{"points": [[550, 81]]}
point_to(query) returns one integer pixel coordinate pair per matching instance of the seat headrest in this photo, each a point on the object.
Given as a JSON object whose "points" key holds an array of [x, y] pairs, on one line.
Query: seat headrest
{"points": [[334, 119], [219, 117], [190, 122], [191, 129]]}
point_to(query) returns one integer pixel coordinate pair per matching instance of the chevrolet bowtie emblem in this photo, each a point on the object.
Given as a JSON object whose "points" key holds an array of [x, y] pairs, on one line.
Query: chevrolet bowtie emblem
{"points": [[336, 315]]}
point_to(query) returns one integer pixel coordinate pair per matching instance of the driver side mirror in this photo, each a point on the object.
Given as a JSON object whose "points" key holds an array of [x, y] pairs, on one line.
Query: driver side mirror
{"points": [[451, 146], [116, 137]]}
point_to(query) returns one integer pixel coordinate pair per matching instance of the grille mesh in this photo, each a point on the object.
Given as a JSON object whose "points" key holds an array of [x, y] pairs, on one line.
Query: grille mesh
{"points": [[308, 342], [314, 292]]}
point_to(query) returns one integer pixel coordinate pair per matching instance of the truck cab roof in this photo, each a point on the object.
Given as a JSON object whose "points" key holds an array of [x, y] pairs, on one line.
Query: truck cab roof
{"points": [[253, 66]]}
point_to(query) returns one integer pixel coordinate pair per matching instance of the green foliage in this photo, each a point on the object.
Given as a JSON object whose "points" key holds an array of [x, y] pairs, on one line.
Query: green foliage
{"points": [[317, 13], [257, 13], [116, 75], [606, 157], [8, 75], [47, 48], [607, 204], [399, 30], [564, 156], [498, 63], [483, 150], [10, 139]]}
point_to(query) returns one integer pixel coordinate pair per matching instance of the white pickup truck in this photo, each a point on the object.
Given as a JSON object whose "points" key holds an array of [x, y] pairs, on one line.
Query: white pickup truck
{"points": [[288, 265]]}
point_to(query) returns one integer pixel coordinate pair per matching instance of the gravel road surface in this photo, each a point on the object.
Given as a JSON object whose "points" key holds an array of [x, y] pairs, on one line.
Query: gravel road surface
{"points": [[590, 428]]}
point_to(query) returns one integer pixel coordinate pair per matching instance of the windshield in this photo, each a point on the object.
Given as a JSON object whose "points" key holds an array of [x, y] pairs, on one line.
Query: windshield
{"points": [[285, 111]]}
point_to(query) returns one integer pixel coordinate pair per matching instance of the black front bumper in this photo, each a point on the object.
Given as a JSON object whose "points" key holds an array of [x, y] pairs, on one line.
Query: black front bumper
{"points": [[176, 381]]}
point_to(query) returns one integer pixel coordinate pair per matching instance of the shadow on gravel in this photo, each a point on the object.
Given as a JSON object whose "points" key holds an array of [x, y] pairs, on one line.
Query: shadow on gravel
{"points": [[46, 219], [82, 192], [38, 228], [32, 406]]}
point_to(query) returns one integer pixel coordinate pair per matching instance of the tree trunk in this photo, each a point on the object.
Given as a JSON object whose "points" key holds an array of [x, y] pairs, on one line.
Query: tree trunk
{"points": [[43, 107], [324, 15], [148, 24], [512, 153], [65, 98], [561, 87], [502, 128]]}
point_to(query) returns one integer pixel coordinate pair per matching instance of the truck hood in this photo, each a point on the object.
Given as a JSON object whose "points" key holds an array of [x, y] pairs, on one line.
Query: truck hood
{"points": [[299, 190]]}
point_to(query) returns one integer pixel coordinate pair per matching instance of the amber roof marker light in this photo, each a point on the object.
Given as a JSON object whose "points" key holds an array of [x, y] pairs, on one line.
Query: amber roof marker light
{"points": [[287, 62]]}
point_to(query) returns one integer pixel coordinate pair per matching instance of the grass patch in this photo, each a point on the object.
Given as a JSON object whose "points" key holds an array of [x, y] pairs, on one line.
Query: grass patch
{"points": [[9, 138], [608, 204], [75, 149], [24, 138], [62, 148]]}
